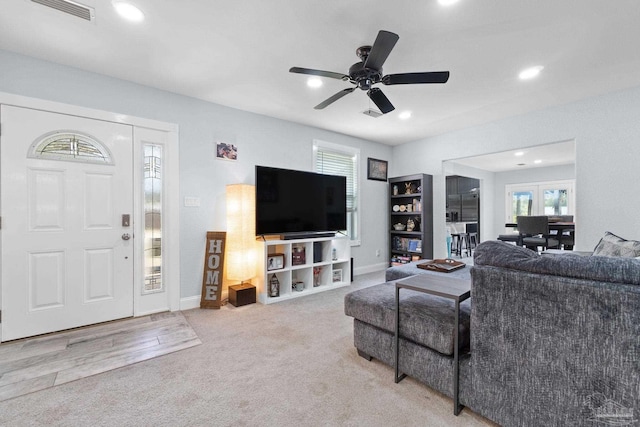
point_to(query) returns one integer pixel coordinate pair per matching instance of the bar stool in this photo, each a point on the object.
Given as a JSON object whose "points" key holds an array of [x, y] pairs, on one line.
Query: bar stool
{"points": [[472, 236], [459, 242]]}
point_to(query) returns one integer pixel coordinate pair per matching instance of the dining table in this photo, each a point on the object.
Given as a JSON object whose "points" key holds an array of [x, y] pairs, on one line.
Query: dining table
{"points": [[559, 226]]}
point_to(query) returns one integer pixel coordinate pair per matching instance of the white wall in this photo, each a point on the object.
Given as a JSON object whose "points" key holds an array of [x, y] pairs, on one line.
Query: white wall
{"points": [[607, 134], [260, 140]]}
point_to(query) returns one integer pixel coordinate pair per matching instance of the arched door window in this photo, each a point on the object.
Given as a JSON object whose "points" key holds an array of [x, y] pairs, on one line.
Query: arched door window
{"points": [[70, 146]]}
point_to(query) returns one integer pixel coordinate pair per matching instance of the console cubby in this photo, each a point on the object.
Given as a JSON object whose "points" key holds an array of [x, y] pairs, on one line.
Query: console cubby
{"points": [[317, 272]]}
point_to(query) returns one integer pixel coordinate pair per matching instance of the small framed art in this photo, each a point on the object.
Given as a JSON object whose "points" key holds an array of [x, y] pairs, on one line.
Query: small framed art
{"points": [[377, 169], [275, 262], [226, 151], [337, 276]]}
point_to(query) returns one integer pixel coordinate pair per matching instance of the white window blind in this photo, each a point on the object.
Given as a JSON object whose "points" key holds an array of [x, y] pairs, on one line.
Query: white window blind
{"points": [[330, 162]]}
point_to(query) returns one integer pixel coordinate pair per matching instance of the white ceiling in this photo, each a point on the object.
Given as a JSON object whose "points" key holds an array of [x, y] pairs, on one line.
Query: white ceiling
{"points": [[238, 53]]}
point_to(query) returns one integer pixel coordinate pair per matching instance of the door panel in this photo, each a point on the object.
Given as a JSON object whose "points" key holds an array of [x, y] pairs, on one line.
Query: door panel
{"points": [[64, 263]]}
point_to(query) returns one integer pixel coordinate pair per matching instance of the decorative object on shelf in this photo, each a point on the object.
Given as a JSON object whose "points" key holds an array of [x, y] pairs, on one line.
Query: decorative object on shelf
{"points": [[396, 208], [316, 276], [399, 226], [395, 190], [275, 262], [410, 225], [403, 208], [377, 169], [213, 270], [334, 254], [337, 275], [410, 207], [274, 286], [242, 248], [298, 257], [226, 151], [407, 188], [298, 286]]}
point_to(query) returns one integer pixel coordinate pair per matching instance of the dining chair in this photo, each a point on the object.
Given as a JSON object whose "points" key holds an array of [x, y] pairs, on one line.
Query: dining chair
{"points": [[534, 232]]}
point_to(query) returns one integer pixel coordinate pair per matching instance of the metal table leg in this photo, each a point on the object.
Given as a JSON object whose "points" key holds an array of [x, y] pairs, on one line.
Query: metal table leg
{"points": [[456, 365], [396, 342]]}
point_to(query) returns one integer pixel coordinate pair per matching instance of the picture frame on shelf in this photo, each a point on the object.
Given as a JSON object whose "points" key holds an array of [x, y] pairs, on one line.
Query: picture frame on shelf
{"points": [[275, 262], [377, 169], [337, 275]]}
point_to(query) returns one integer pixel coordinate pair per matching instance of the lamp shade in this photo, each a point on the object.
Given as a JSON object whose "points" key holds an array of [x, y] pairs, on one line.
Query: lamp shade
{"points": [[240, 253]]}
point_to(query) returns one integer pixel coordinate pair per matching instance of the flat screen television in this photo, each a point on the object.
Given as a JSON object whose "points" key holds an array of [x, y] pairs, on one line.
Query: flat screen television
{"points": [[297, 203]]}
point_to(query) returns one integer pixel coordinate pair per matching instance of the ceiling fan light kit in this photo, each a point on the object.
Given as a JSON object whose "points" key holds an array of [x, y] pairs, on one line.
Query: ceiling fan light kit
{"points": [[368, 72]]}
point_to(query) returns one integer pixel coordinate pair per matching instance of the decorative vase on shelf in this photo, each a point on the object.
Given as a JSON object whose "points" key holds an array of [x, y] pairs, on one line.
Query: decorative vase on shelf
{"points": [[316, 276], [274, 286]]}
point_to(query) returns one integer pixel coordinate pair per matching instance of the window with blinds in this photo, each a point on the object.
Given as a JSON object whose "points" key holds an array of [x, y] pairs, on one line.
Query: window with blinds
{"points": [[331, 161]]}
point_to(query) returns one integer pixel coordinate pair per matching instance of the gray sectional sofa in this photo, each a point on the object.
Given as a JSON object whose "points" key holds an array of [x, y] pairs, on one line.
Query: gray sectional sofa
{"points": [[552, 340]]}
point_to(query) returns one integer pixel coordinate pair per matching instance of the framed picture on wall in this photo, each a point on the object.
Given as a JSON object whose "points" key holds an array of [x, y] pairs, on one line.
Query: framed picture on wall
{"points": [[226, 151], [377, 169]]}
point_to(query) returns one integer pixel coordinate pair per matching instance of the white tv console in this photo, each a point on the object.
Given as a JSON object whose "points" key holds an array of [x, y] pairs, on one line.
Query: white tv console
{"points": [[328, 257]]}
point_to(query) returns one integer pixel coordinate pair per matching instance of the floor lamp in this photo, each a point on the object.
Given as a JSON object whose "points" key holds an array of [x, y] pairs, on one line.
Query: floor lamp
{"points": [[241, 253]]}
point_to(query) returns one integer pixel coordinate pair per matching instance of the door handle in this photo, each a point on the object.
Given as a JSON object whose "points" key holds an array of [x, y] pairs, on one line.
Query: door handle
{"points": [[126, 236]]}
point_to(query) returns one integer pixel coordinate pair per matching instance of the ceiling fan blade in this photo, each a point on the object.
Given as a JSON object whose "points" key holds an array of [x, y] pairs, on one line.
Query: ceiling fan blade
{"points": [[381, 49], [411, 78], [320, 73], [381, 101], [334, 98]]}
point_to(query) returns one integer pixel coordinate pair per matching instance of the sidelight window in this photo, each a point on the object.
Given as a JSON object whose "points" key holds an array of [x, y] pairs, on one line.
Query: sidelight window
{"points": [[153, 218]]}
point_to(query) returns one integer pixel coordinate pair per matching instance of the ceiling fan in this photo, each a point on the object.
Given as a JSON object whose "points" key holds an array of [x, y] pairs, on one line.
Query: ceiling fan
{"points": [[368, 71]]}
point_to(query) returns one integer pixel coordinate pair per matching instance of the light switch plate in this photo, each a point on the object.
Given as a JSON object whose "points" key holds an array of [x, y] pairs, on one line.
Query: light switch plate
{"points": [[192, 201]]}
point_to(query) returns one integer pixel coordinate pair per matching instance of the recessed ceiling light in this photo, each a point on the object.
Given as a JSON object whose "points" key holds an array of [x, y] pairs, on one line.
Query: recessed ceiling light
{"points": [[530, 73], [519, 153], [537, 162], [447, 2], [405, 115], [314, 82], [128, 11]]}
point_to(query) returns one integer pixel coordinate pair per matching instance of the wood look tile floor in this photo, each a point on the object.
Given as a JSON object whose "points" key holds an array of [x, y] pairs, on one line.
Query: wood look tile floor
{"points": [[33, 364]]}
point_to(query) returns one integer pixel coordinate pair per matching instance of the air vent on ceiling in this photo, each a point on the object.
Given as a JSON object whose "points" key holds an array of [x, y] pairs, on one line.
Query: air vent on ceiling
{"points": [[69, 7], [372, 113]]}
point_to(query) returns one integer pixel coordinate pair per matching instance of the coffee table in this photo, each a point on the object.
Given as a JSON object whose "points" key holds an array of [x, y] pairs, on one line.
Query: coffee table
{"points": [[446, 287]]}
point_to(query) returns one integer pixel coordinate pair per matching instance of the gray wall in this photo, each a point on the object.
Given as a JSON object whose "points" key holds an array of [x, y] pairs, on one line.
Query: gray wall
{"points": [[260, 140], [606, 130]]}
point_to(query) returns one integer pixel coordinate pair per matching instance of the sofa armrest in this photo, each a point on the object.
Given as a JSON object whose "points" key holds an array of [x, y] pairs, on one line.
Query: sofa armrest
{"points": [[558, 350]]}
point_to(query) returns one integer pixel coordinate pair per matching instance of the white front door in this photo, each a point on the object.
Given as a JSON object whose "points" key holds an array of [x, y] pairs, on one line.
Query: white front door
{"points": [[67, 182]]}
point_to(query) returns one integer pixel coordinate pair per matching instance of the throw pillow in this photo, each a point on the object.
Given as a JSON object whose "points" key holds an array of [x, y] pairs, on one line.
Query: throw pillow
{"points": [[616, 246]]}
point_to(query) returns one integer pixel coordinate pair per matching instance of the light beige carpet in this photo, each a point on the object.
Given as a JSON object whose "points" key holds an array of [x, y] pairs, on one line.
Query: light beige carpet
{"points": [[286, 364]]}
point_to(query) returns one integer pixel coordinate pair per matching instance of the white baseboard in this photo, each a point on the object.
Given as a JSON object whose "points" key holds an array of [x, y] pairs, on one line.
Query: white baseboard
{"points": [[190, 302], [373, 268]]}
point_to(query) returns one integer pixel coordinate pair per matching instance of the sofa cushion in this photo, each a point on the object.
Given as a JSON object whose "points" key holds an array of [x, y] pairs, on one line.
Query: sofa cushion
{"points": [[612, 245], [425, 319], [599, 268]]}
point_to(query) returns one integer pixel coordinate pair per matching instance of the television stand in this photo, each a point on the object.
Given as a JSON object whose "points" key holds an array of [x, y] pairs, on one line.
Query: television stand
{"points": [[308, 235], [302, 267]]}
